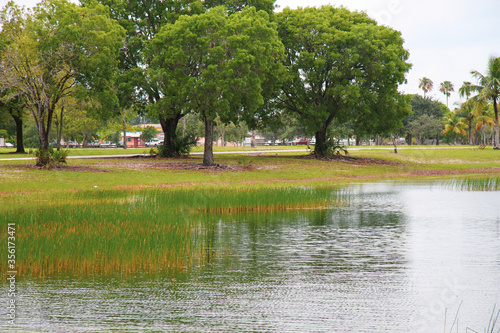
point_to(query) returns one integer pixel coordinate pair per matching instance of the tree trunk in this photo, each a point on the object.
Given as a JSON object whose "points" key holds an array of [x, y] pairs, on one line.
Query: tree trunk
{"points": [[59, 127], [223, 135], [183, 127], [394, 143], [86, 139], [471, 138], [409, 139], [43, 135], [124, 133], [495, 107], [321, 147], [169, 127], [254, 141], [208, 153], [19, 134]]}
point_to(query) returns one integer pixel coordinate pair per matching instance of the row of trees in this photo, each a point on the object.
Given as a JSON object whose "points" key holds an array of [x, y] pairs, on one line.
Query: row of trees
{"points": [[237, 63], [480, 110]]}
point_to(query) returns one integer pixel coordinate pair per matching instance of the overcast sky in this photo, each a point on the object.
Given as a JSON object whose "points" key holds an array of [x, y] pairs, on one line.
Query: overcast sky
{"points": [[446, 38]]}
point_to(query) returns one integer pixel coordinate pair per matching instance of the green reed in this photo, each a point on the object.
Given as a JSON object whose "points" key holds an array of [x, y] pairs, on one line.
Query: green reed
{"points": [[491, 183], [101, 232]]}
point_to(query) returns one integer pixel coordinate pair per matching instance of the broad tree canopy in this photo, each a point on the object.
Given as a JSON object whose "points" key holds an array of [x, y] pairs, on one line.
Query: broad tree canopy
{"points": [[47, 51], [216, 65], [342, 65]]}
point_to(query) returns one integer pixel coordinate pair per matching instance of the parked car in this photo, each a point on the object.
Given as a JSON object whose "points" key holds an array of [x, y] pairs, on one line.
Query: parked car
{"points": [[302, 142], [273, 143], [154, 143], [7, 145], [71, 144], [108, 144]]}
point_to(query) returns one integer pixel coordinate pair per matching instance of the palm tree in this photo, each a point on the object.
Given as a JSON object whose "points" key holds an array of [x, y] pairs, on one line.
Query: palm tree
{"points": [[466, 89], [446, 88], [455, 124], [425, 84], [488, 88], [471, 110], [484, 121]]}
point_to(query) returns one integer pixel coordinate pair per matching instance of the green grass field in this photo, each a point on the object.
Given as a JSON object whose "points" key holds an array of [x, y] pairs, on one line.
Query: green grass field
{"points": [[265, 170]]}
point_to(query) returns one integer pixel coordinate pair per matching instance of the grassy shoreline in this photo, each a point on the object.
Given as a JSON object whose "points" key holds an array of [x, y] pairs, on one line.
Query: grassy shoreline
{"points": [[133, 215], [266, 170]]}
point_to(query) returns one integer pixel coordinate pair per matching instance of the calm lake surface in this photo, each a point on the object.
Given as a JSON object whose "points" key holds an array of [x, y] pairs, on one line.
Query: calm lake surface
{"points": [[401, 258]]}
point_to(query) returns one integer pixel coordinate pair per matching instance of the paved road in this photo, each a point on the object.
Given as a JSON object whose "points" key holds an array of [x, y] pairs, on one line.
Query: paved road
{"points": [[264, 151]]}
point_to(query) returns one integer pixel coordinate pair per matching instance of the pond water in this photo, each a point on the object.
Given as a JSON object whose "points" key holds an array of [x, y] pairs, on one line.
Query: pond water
{"points": [[401, 258]]}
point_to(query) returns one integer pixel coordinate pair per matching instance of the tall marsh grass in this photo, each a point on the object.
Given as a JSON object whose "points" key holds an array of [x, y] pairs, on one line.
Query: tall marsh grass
{"points": [[476, 184], [100, 232]]}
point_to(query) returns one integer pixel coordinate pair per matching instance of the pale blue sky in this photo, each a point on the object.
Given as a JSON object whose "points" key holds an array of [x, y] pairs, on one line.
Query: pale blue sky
{"points": [[446, 38]]}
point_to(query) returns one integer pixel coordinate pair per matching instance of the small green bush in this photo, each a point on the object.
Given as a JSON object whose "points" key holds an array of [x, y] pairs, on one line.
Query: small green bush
{"points": [[180, 148], [50, 158]]}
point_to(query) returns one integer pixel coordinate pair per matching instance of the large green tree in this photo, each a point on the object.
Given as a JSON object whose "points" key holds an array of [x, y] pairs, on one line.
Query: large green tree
{"points": [[218, 65], [488, 88], [424, 127], [342, 65], [422, 106], [49, 50], [136, 82], [234, 6]]}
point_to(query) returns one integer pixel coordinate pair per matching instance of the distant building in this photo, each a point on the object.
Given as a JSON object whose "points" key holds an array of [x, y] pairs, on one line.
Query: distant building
{"points": [[134, 140]]}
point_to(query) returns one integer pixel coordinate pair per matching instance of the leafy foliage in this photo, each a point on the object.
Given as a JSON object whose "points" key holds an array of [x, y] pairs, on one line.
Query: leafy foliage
{"points": [[148, 133], [182, 147], [50, 158], [217, 65], [342, 65], [456, 125], [425, 84], [51, 50], [425, 126], [332, 148], [488, 88]]}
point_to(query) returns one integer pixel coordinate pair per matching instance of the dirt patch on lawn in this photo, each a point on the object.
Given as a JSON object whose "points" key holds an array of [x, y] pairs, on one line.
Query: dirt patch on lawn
{"points": [[138, 164], [348, 159], [165, 164], [63, 167], [196, 166]]}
